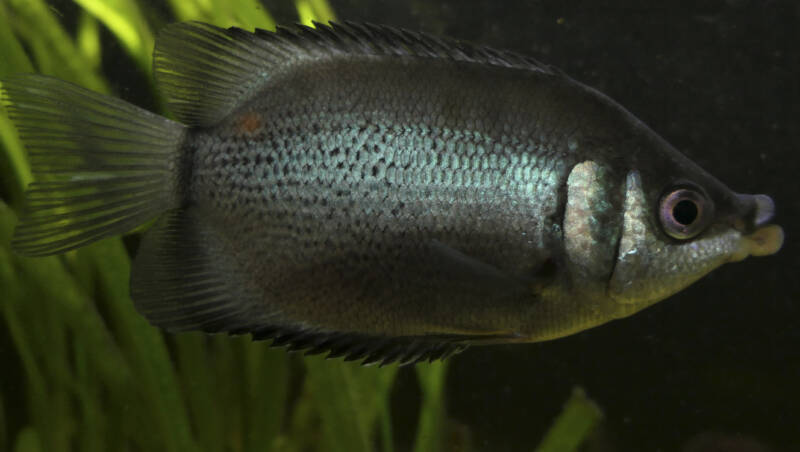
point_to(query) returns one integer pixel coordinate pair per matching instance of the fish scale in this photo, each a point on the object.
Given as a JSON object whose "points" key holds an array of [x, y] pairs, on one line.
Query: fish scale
{"points": [[411, 169]]}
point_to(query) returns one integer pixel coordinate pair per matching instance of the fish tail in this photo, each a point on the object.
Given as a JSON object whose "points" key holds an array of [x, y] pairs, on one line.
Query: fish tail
{"points": [[101, 166]]}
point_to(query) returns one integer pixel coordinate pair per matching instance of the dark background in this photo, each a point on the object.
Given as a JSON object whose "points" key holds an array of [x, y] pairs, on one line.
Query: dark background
{"points": [[718, 79]]}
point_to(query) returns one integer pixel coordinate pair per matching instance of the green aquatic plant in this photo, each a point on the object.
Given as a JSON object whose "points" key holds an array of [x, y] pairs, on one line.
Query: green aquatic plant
{"points": [[578, 419], [94, 375]]}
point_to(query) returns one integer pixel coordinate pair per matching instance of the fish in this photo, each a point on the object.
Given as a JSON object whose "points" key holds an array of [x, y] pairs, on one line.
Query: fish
{"points": [[374, 193]]}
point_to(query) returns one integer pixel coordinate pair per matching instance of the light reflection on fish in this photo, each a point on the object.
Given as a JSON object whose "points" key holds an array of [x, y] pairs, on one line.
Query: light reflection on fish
{"points": [[376, 193]]}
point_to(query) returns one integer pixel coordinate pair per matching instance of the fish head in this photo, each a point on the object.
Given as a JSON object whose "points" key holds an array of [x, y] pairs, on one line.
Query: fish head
{"points": [[679, 223]]}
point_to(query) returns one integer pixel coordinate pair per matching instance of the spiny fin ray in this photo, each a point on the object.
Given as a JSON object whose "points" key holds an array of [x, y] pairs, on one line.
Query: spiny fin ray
{"points": [[369, 349]]}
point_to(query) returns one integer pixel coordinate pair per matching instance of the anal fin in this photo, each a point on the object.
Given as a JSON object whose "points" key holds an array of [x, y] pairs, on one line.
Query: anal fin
{"points": [[367, 348], [184, 278]]}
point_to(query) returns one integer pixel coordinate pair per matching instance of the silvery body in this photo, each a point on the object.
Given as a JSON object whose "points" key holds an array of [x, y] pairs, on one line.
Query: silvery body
{"points": [[389, 195]]}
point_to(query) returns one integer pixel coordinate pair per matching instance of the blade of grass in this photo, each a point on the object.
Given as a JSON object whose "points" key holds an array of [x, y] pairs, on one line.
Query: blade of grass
{"points": [[303, 430], [189, 9], [39, 332], [431, 379], [348, 398], [13, 164], [305, 12], [54, 50], [85, 387], [310, 11], [28, 441], [208, 366], [14, 325], [322, 10], [572, 426], [88, 39], [30, 338], [228, 364], [125, 20], [266, 381], [248, 14], [15, 59], [384, 413], [196, 376], [42, 309], [142, 344]]}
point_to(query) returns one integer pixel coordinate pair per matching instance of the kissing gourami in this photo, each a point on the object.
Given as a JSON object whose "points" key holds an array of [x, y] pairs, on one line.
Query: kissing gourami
{"points": [[374, 193]]}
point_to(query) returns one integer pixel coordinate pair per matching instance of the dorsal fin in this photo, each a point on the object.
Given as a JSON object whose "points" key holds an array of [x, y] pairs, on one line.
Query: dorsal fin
{"points": [[206, 72]]}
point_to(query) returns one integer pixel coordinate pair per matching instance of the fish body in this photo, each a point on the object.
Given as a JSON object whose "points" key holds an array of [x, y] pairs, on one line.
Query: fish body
{"points": [[379, 193]]}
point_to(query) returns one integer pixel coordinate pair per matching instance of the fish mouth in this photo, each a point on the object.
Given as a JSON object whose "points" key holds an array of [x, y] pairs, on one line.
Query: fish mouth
{"points": [[764, 241], [759, 238]]}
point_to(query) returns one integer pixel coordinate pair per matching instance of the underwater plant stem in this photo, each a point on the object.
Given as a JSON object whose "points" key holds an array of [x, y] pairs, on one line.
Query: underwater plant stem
{"points": [[573, 425], [431, 419]]}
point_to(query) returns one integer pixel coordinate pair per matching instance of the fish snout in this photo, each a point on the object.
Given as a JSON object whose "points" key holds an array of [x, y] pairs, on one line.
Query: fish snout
{"points": [[760, 209], [764, 211], [760, 238]]}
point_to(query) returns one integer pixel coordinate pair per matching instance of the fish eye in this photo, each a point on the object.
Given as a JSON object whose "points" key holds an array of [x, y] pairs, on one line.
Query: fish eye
{"points": [[684, 212]]}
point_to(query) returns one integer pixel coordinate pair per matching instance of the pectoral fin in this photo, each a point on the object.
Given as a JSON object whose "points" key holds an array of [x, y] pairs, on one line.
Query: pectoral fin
{"points": [[471, 270]]}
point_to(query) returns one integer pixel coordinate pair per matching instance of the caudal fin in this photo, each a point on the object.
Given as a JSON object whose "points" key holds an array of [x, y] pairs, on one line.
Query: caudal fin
{"points": [[101, 166]]}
